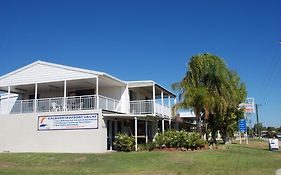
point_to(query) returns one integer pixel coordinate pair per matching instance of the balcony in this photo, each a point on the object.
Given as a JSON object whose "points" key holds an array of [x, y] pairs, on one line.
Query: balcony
{"points": [[72, 103], [146, 107]]}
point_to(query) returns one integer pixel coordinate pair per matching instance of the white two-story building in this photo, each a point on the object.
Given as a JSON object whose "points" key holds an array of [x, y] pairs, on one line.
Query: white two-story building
{"points": [[46, 107]]}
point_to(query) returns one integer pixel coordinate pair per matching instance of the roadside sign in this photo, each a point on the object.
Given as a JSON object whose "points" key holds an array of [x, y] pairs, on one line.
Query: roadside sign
{"points": [[250, 105], [242, 125]]}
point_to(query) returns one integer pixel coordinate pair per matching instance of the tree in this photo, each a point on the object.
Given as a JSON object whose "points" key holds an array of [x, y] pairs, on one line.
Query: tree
{"points": [[199, 86], [234, 93], [212, 91]]}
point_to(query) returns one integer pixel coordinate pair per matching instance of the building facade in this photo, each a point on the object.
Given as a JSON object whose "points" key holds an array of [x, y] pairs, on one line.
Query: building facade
{"points": [[48, 107]]}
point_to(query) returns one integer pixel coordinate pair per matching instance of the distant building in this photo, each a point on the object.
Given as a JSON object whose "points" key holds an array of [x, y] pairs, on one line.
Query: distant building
{"points": [[186, 120]]}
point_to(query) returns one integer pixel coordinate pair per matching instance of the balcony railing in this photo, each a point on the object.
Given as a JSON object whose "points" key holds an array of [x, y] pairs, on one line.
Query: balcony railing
{"points": [[109, 104], [71, 103], [146, 107], [141, 107]]}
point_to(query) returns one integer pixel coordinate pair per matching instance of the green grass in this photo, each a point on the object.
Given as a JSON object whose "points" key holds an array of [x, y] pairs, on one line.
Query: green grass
{"points": [[233, 159]]}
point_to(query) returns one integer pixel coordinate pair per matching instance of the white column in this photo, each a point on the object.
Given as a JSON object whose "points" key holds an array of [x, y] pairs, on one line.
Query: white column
{"points": [[163, 125], [110, 134], [35, 98], [146, 134], [169, 101], [170, 121], [64, 96], [9, 91], [162, 111], [136, 134], [169, 104], [162, 103], [246, 133], [97, 92], [153, 94]]}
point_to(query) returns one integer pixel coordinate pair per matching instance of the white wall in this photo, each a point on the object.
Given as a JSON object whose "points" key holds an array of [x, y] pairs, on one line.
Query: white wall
{"points": [[18, 133], [125, 100]]}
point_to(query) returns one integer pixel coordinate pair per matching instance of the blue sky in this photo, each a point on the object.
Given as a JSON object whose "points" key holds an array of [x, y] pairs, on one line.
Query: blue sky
{"points": [[143, 40]]}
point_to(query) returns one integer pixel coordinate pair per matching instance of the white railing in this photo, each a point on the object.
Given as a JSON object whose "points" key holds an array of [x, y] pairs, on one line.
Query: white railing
{"points": [[23, 106], [109, 104], [146, 107], [50, 104], [141, 107], [81, 102], [72, 103]]}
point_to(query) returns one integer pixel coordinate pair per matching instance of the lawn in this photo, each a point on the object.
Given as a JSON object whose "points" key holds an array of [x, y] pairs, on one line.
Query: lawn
{"points": [[233, 159]]}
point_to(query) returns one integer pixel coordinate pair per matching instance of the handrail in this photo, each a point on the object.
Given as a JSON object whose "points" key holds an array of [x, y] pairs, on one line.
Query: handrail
{"points": [[84, 102], [108, 98], [146, 107]]}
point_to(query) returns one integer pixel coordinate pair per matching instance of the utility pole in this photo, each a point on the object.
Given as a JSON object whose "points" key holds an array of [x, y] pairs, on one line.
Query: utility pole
{"points": [[257, 114]]}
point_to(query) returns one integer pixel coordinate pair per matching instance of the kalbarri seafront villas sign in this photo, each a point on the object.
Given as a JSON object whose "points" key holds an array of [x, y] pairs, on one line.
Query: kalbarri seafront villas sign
{"points": [[68, 122]]}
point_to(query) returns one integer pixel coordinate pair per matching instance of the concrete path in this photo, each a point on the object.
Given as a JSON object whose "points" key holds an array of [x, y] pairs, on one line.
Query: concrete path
{"points": [[278, 172]]}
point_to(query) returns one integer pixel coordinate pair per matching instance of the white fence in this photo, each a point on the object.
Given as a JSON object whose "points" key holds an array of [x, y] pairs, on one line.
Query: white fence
{"points": [[71, 103], [146, 107]]}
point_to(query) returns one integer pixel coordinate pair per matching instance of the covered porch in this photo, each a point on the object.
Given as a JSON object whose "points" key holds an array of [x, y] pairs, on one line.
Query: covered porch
{"points": [[142, 128], [67, 95]]}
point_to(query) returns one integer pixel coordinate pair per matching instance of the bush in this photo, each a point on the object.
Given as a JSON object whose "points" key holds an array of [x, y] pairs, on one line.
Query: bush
{"points": [[147, 146], [124, 142], [150, 146], [178, 139]]}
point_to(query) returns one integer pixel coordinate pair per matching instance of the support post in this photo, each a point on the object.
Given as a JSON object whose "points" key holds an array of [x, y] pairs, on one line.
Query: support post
{"points": [[257, 114], [97, 92], [240, 141], [35, 98], [115, 128], [146, 134], [162, 103], [64, 96], [9, 92], [170, 121], [136, 134], [246, 133], [153, 94], [163, 125], [170, 111], [110, 134], [169, 101]]}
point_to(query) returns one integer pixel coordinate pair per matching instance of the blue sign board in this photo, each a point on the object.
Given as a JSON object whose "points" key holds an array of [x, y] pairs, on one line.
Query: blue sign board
{"points": [[242, 125]]}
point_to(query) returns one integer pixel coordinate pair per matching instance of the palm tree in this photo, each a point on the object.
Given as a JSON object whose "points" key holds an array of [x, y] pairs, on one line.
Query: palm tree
{"points": [[208, 89]]}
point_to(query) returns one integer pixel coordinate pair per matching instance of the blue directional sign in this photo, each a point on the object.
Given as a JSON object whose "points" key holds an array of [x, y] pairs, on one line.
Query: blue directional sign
{"points": [[242, 125]]}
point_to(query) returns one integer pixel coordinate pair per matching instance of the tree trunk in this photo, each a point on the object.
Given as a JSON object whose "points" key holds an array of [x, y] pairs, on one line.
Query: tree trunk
{"points": [[197, 115]]}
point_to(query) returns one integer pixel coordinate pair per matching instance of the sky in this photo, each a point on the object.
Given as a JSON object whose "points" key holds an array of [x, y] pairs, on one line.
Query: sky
{"points": [[150, 40]]}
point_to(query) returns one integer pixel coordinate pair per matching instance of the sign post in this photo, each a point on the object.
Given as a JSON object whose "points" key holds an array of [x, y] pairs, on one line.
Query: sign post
{"points": [[249, 108], [243, 129]]}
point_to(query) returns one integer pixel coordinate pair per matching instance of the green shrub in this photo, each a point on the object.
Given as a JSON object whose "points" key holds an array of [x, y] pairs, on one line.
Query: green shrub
{"points": [[124, 142], [159, 140], [149, 146], [178, 139]]}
